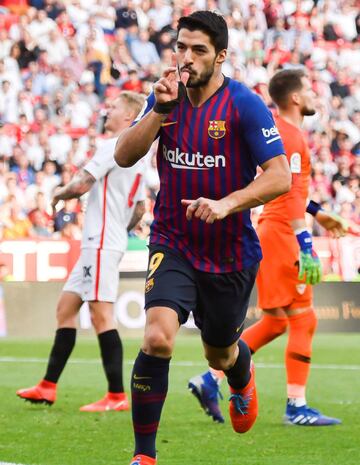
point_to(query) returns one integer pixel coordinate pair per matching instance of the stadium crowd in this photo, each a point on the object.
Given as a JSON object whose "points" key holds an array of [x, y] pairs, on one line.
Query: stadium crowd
{"points": [[63, 61]]}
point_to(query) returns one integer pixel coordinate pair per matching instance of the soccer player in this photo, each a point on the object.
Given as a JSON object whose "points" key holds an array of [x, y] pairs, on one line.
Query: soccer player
{"points": [[204, 252], [290, 265], [115, 205]]}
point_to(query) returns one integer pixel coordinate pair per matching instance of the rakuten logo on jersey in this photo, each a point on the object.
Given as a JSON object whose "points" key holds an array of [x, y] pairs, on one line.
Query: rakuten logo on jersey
{"points": [[193, 161], [272, 133]]}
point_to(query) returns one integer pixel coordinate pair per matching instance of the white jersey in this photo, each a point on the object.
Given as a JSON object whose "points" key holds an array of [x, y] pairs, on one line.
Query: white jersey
{"points": [[112, 199]]}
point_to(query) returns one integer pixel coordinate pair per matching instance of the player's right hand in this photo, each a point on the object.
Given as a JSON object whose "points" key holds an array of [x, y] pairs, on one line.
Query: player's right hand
{"points": [[310, 265], [167, 89]]}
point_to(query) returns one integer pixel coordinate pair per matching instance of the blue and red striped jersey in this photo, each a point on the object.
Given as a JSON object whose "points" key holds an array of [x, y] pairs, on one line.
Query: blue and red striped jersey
{"points": [[211, 151]]}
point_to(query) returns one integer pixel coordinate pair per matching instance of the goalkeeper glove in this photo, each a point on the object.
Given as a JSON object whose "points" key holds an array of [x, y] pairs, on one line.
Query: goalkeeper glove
{"points": [[309, 263]]}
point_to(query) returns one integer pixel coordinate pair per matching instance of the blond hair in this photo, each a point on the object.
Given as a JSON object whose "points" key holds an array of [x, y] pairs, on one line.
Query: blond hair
{"points": [[133, 99]]}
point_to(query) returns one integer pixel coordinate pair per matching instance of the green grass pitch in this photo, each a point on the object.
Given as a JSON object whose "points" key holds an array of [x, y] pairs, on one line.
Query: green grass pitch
{"points": [[61, 435]]}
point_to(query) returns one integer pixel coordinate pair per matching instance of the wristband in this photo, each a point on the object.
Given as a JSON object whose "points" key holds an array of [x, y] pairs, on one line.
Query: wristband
{"points": [[313, 208], [167, 107], [304, 239]]}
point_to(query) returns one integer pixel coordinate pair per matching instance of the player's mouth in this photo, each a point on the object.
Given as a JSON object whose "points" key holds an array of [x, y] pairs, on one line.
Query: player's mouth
{"points": [[187, 70]]}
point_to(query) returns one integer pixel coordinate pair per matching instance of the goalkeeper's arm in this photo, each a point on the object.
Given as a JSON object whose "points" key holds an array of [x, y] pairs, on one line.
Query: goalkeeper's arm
{"points": [[309, 263], [332, 222]]}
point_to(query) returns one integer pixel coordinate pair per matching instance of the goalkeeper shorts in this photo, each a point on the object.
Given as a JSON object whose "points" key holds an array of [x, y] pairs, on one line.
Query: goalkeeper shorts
{"points": [[277, 281]]}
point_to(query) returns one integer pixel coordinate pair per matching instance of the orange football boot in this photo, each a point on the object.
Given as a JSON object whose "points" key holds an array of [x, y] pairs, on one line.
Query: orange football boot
{"points": [[243, 405], [112, 401], [143, 460], [42, 393]]}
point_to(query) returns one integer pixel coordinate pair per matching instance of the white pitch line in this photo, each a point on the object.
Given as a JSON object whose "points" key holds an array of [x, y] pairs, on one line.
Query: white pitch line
{"points": [[9, 463], [79, 361]]}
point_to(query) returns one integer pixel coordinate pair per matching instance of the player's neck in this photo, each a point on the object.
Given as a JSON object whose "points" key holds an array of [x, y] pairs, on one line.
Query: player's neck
{"points": [[199, 95], [112, 134], [292, 116]]}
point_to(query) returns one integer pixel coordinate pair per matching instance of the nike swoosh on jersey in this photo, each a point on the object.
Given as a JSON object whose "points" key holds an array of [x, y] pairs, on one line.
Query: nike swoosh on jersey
{"points": [[169, 123]]}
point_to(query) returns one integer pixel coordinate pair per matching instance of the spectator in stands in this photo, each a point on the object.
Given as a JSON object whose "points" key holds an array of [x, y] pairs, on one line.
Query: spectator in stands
{"points": [[66, 215], [60, 62], [144, 52], [16, 224]]}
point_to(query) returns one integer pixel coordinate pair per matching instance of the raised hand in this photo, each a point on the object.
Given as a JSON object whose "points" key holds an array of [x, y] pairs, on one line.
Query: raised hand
{"points": [[170, 89]]}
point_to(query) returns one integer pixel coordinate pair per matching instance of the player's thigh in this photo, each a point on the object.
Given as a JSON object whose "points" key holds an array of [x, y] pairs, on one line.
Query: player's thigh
{"points": [[67, 309], [170, 282], [223, 301], [100, 274], [277, 280]]}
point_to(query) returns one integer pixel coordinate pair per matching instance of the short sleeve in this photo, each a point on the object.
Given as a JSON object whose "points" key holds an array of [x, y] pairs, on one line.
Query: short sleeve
{"points": [[103, 161], [259, 130], [149, 103]]}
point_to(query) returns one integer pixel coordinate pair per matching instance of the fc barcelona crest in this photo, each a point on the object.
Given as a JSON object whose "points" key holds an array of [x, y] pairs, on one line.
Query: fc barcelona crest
{"points": [[217, 129], [149, 285]]}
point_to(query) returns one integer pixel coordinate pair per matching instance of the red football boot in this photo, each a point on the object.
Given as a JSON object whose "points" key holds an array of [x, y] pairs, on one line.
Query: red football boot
{"points": [[112, 401], [42, 393], [243, 405], [143, 460]]}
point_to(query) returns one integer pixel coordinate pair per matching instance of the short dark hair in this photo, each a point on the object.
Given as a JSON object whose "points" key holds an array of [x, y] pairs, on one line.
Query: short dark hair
{"points": [[283, 83], [213, 24]]}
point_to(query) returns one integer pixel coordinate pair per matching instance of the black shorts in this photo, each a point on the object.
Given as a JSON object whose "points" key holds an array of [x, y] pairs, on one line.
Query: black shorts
{"points": [[219, 302]]}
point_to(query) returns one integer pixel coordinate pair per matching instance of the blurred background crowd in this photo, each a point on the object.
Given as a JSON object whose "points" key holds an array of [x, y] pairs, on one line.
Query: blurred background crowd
{"points": [[63, 61]]}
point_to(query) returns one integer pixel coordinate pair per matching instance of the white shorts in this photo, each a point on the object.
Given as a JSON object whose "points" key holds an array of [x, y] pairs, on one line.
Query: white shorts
{"points": [[95, 275]]}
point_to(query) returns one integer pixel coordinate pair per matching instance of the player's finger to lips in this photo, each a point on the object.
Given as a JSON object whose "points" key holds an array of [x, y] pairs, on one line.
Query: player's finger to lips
{"points": [[174, 65], [168, 71], [186, 202], [161, 88], [184, 77], [164, 82]]}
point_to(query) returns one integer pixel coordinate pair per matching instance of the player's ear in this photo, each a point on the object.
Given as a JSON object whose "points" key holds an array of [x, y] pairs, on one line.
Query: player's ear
{"points": [[295, 97], [221, 56], [129, 116]]}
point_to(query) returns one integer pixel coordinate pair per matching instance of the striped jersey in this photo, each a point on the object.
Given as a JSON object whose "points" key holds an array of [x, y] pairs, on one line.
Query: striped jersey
{"points": [[211, 151]]}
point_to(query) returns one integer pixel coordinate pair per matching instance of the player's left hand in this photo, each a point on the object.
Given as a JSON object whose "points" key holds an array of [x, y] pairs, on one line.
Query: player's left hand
{"points": [[332, 222], [205, 209]]}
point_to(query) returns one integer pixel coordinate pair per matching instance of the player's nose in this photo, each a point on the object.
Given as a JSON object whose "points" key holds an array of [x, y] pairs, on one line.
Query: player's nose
{"points": [[188, 57]]}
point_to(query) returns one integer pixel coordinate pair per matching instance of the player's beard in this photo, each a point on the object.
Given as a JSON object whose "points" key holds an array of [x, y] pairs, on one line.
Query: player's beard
{"points": [[203, 79], [307, 111]]}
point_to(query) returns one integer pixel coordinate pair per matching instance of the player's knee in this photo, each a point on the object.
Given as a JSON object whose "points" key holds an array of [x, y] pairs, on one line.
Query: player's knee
{"points": [[221, 362], [157, 342], [101, 321], [279, 326], [304, 322], [312, 321]]}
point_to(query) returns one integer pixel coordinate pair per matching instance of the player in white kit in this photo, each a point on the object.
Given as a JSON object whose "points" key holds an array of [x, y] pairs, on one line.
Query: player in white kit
{"points": [[115, 205]]}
